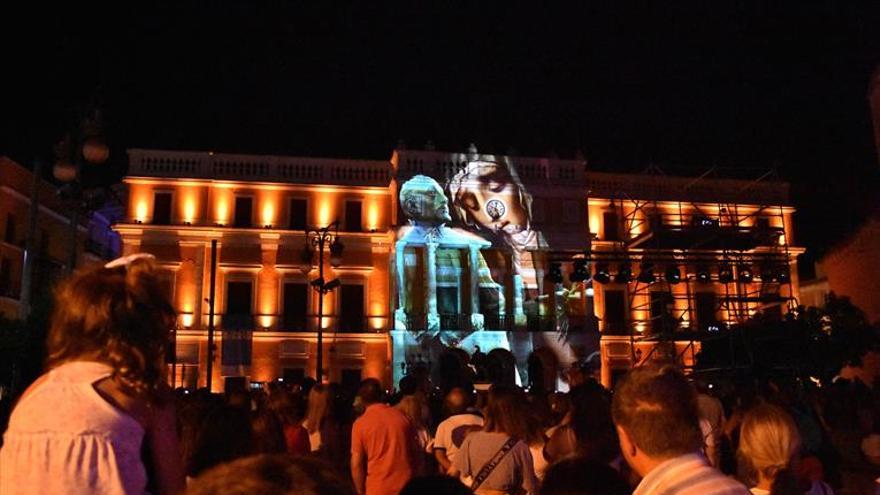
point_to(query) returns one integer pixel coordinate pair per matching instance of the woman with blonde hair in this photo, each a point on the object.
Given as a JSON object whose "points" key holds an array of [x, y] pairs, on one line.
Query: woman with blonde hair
{"points": [[768, 446], [80, 427]]}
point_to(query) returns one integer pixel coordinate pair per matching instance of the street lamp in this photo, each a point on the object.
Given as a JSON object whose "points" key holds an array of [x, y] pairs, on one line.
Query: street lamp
{"points": [[83, 145], [316, 239]]}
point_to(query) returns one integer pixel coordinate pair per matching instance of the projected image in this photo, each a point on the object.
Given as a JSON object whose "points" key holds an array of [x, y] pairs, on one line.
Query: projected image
{"points": [[471, 269]]}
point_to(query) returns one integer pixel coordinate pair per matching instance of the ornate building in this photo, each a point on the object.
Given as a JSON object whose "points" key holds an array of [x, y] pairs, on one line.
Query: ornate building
{"points": [[526, 259]]}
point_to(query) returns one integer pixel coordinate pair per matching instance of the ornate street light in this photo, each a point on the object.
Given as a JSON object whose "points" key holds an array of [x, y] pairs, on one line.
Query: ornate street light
{"points": [[316, 239], [83, 145]]}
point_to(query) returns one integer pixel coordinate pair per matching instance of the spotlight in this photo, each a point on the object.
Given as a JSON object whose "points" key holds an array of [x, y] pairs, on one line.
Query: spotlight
{"points": [[783, 275], [745, 273], [602, 276], [673, 274], [725, 274], [580, 272], [646, 273], [624, 273], [703, 275], [555, 273]]}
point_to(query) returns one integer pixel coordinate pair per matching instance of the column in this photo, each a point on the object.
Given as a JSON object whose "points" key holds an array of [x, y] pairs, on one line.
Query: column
{"points": [[477, 318], [431, 287], [400, 311]]}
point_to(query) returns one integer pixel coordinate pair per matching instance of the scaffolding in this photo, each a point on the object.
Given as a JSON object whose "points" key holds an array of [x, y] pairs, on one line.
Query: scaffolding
{"points": [[680, 246]]}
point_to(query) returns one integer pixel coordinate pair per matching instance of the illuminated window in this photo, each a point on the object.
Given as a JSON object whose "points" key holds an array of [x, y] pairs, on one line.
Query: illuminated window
{"points": [[353, 220], [298, 214], [244, 211], [351, 307], [162, 208], [610, 224], [10, 229]]}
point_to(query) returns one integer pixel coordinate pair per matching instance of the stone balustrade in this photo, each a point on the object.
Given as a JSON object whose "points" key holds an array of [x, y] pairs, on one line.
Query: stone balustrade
{"points": [[259, 168]]}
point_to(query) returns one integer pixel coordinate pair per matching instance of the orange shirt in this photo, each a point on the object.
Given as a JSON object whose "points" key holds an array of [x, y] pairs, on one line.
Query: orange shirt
{"points": [[386, 440]]}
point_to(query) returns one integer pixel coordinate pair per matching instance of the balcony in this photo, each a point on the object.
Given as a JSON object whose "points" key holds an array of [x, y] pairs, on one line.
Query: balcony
{"points": [[503, 323], [692, 231], [265, 168], [297, 323]]}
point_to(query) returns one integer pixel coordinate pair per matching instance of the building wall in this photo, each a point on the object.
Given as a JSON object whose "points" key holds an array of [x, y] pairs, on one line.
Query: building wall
{"points": [[53, 231], [849, 273], [266, 254]]}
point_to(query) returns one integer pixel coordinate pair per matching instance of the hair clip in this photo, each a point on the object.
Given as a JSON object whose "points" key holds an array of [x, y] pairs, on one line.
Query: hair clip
{"points": [[127, 260]]}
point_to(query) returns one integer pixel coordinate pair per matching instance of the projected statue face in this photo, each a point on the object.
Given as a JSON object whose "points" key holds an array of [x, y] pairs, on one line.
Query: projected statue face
{"points": [[488, 197], [422, 199]]}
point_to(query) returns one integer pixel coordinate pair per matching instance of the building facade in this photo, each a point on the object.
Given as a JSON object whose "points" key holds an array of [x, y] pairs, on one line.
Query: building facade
{"points": [[95, 241], [445, 254]]}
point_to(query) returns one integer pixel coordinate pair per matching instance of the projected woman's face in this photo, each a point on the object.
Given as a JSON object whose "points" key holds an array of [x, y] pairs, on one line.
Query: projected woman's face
{"points": [[492, 200]]}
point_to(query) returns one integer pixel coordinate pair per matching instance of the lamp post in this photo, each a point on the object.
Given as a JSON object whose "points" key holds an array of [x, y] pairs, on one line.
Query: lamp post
{"points": [[316, 239], [84, 144]]}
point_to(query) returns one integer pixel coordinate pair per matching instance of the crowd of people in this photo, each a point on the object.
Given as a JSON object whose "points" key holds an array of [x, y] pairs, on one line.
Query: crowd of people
{"points": [[102, 420]]}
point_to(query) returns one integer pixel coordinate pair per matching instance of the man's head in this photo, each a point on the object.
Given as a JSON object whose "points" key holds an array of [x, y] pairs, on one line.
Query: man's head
{"points": [[458, 400], [655, 411], [370, 391], [422, 200]]}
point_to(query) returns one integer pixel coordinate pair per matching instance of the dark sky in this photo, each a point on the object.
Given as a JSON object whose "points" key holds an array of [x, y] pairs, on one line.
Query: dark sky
{"points": [[742, 84]]}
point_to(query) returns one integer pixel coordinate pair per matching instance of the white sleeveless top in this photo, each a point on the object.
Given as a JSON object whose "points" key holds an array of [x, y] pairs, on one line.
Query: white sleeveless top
{"points": [[64, 438]]}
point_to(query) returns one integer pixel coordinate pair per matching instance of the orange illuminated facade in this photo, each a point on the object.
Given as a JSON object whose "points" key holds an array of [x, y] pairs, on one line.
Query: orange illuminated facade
{"points": [[258, 207]]}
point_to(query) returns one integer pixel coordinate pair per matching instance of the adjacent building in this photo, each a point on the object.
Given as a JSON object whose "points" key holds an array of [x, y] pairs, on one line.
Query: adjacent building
{"points": [[538, 262], [95, 241]]}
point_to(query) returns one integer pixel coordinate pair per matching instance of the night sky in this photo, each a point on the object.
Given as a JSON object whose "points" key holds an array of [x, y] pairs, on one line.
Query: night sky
{"points": [[739, 84]]}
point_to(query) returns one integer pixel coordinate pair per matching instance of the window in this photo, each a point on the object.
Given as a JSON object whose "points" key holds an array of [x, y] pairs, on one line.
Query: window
{"points": [[294, 375], [705, 302], [490, 303], [353, 216], [238, 298], [615, 312], [244, 208], [44, 242], [571, 211], [351, 306], [298, 212], [162, 208], [609, 223], [5, 276], [763, 223], [660, 320], [9, 236], [351, 380], [447, 300], [295, 307]]}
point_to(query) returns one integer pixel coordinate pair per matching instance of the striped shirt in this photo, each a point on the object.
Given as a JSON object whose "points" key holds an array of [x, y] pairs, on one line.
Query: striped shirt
{"points": [[688, 475]]}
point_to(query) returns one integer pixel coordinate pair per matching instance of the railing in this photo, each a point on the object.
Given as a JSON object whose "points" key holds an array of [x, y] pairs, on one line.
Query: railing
{"points": [[706, 190], [529, 169], [533, 323], [206, 165]]}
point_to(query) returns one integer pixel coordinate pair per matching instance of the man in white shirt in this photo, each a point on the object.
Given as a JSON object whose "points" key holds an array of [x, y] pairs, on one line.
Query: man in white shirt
{"points": [[452, 431]]}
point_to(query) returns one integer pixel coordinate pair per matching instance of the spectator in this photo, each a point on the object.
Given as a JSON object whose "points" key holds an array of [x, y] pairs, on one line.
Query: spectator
{"points": [[268, 433], [581, 476], [80, 427], [768, 445], [411, 406], [463, 418], [498, 457], [383, 445], [270, 475], [289, 408], [435, 485], [711, 422], [590, 430], [224, 435], [655, 411]]}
